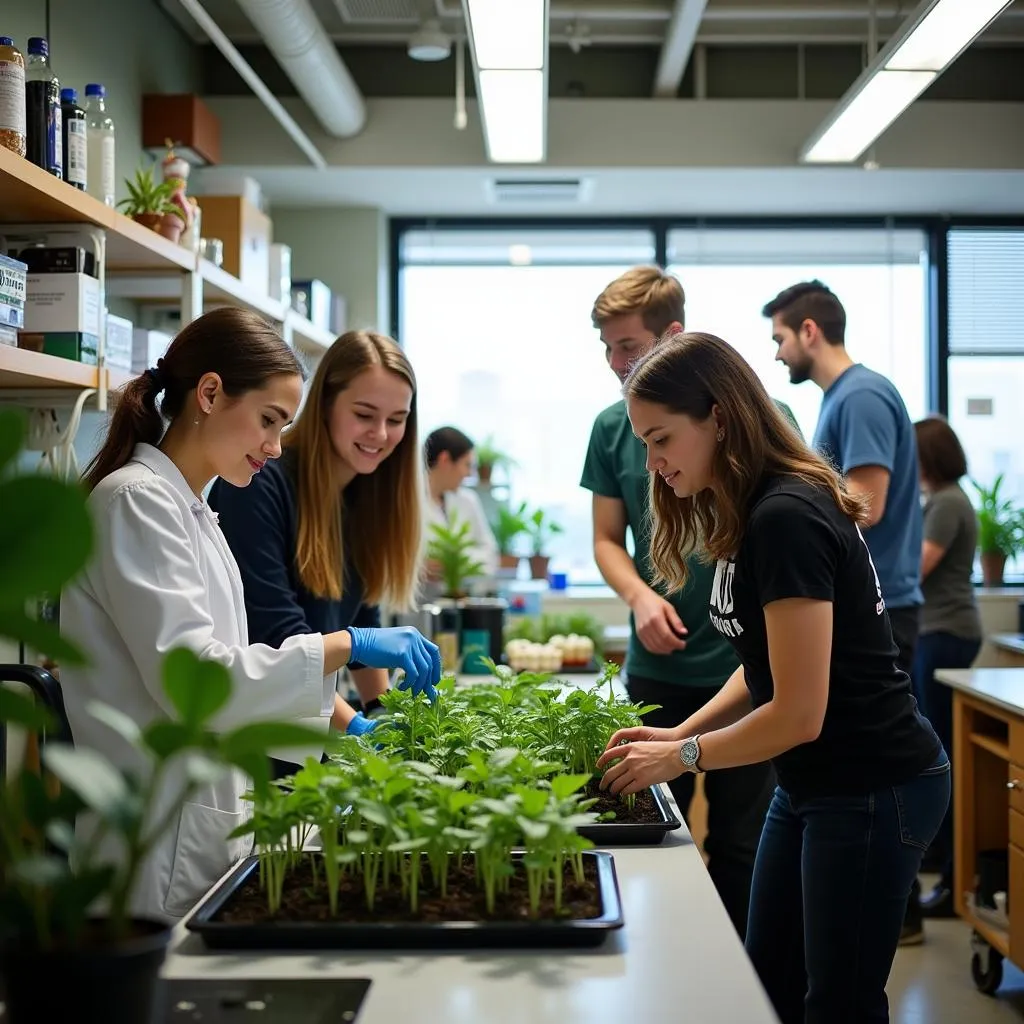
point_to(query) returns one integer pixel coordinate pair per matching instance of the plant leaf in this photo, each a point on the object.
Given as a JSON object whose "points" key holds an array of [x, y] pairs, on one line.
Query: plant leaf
{"points": [[13, 429], [565, 785], [89, 774], [40, 636], [116, 720], [204, 770], [198, 689], [167, 738], [43, 871], [18, 709], [45, 536]]}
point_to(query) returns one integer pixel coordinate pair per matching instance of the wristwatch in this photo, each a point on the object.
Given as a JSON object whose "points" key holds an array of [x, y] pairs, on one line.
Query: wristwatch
{"points": [[689, 754]]}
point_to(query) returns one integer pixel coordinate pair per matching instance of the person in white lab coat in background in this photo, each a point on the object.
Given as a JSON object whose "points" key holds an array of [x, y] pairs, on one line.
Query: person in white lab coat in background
{"points": [[449, 456], [162, 577]]}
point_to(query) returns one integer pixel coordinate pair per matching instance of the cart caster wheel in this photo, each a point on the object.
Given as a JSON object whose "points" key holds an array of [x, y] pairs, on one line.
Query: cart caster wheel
{"points": [[987, 970]]}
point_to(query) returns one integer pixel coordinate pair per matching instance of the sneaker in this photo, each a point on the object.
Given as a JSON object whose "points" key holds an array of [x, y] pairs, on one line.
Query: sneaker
{"points": [[912, 933], [938, 903]]}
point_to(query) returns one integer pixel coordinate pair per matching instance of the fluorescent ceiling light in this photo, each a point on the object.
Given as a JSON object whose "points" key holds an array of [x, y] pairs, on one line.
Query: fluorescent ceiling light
{"points": [[880, 101], [944, 32], [508, 34], [513, 105]]}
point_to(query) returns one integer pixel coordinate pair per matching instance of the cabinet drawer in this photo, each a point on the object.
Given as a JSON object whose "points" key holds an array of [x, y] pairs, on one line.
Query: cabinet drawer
{"points": [[1016, 737], [1015, 785]]}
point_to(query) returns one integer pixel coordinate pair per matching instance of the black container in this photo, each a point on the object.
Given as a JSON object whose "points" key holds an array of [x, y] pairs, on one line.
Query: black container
{"points": [[266, 1000], [95, 985], [42, 110], [615, 833], [482, 616], [412, 935]]}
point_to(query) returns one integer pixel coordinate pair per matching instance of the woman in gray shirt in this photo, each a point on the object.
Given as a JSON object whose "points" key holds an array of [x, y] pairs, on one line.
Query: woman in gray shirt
{"points": [[950, 626]]}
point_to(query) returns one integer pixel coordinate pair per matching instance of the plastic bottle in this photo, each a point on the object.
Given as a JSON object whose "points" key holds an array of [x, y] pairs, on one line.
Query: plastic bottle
{"points": [[100, 141], [12, 96], [43, 131], [74, 146]]}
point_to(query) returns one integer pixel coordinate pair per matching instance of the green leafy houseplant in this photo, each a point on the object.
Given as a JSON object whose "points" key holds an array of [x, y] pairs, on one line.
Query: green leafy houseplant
{"points": [[150, 202], [489, 458], [1000, 530], [450, 547], [508, 525], [541, 530], [59, 897]]}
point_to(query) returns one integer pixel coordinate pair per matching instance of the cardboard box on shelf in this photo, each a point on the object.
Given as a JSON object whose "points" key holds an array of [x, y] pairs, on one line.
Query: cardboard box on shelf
{"points": [[76, 345], [147, 348], [62, 303], [246, 234], [119, 342]]}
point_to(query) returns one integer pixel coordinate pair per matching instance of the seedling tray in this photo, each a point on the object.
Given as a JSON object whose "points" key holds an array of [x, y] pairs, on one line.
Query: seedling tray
{"points": [[213, 922], [622, 833]]}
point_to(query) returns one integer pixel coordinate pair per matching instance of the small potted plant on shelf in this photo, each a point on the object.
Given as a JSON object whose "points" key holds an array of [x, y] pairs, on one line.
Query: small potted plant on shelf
{"points": [[507, 527], [450, 548], [153, 204], [1000, 531], [489, 458], [541, 529], [69, 944]]}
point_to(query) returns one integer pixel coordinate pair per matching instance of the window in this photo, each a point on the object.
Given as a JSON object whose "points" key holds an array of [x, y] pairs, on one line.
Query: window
{"points": [[497, 325], [986, 355], [879, 275]]}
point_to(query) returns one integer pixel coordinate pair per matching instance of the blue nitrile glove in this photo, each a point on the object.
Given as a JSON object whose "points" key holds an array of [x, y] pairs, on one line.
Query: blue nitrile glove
{"points": [[399, 647], [360, 725]]}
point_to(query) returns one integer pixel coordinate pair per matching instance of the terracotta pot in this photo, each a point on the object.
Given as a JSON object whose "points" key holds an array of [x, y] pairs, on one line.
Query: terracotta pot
{"points": [[483, 474], [992, 565], [165, 224], [508, 561], [539, 566]]}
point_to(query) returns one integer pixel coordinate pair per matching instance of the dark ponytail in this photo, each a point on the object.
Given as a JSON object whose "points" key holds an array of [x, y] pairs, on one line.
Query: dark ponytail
{"points": [[240, 347], [446, 439]]}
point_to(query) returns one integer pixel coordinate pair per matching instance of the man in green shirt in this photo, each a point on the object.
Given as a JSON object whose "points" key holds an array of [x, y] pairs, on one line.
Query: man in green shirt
{"points": [[676, 657]]}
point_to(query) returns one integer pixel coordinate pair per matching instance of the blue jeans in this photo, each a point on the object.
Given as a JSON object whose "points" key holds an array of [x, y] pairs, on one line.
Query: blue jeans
{"points": [[935, 651], [830, 889]]}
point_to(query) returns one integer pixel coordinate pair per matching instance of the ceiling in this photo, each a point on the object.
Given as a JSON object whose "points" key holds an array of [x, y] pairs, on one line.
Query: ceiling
{"points": [[610, 23]]}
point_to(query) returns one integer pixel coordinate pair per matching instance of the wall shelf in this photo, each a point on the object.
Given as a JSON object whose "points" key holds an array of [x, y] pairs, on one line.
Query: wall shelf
{"points": [[22, 368]]}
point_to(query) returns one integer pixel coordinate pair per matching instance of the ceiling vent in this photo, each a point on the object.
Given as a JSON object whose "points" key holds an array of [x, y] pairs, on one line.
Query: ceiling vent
{"points": [[510, 191], [376, 12]]}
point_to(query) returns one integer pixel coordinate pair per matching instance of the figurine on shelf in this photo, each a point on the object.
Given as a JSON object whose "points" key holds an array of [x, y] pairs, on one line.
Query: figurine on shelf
{"points": [[176, 170]]}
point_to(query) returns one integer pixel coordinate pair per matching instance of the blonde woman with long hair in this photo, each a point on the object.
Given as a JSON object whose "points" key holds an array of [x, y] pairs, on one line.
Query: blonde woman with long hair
{"points": [[863, 779], [332, 530]]}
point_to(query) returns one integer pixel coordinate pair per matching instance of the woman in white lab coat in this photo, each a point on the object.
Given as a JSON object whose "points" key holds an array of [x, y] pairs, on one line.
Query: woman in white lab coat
{"points": [[162, 577], [449, 455]]}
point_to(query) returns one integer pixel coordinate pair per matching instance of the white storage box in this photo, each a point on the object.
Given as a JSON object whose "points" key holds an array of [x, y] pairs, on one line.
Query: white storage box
{"points": [[222, 181], [147, 348], [62, 303], [281, 272], [119, 342]]}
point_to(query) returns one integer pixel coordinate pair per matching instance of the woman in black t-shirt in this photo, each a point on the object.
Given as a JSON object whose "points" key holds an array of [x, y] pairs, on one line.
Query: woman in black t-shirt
{"points": [[863, 779]]}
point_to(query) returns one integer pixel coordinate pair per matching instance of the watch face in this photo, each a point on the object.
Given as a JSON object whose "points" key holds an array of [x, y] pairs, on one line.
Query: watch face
{"points": [[689, 752]]}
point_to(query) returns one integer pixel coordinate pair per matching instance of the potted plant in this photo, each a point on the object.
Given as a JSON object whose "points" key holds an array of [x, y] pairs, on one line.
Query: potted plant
{"points": [[1000, 531], [541, 529], [450, 547], [489, 458], [152, 204], [507, 527], [69, 946]]}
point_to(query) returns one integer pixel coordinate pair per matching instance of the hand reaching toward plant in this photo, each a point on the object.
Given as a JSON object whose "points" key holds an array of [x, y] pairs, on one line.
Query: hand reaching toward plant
{"points": [[399, 647], [361, 725], [658, 627], [639, 733], [640, 763]]}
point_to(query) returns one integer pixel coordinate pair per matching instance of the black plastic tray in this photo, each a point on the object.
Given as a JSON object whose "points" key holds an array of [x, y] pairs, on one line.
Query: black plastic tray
{"points": [[412, 935], [635, 834]]}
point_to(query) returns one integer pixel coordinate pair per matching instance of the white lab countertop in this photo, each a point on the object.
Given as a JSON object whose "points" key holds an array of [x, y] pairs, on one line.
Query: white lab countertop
{"points": [[1003, 687], [1008, 642], [677, 957]]}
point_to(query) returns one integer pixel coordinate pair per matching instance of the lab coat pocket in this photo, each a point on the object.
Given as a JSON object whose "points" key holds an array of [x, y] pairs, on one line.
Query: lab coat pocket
{"points": [[202, 854]]}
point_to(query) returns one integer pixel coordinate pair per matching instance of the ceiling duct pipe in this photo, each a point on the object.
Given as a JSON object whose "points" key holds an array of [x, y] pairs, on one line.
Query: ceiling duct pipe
{"points": [[297, 40]]}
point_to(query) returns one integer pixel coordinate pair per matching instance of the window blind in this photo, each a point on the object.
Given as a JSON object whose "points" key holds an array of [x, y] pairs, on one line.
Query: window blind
{"points": [[986, 291]]}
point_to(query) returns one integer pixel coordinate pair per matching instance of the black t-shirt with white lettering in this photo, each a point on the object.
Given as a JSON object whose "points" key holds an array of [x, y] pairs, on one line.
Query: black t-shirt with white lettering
{"points": [[799, 543]]}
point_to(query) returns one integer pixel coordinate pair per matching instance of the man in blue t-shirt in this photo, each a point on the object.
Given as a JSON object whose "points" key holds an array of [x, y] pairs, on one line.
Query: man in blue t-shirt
{"points": [[864, 429]]}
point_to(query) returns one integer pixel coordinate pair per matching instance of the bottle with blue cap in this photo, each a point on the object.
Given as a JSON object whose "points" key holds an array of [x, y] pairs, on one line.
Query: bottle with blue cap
{"points": [[74, 146], [43, 130], [100, 140]]}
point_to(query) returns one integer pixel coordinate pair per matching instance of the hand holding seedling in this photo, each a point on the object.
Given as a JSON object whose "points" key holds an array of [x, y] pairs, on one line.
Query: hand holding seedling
{"points": [[639, 762], [399, 647], [658, 627]]}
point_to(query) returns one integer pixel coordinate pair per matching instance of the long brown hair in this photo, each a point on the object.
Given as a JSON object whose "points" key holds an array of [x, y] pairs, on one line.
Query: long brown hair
{"points": [[382, 510], [691, 374], [241, 348]]}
